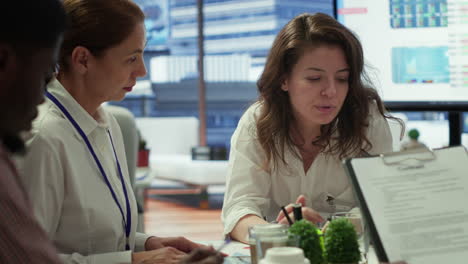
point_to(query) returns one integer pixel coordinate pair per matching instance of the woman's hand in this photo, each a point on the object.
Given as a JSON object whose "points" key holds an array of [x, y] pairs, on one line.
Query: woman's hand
{"points": [[180, 243], [165, 255], [203, 256], [307, 213]]}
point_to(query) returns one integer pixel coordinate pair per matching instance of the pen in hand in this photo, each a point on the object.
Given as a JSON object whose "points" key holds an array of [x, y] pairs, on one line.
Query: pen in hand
{"points": [[286, 215], [225, 243]]}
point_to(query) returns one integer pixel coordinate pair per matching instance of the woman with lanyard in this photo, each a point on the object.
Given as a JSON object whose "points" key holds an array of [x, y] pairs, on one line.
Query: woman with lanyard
{"points": [[76, 170]]}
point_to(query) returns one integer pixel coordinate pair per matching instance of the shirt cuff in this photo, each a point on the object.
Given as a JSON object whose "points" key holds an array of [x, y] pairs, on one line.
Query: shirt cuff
{"points": [[235, 216], [140, 240]]}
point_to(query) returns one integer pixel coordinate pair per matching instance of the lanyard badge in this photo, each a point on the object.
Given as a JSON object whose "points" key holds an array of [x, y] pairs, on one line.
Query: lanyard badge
{"points": [[127, 221]]}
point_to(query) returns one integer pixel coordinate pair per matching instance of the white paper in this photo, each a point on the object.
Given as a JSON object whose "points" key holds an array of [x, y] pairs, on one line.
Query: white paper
{"points": [[419, 207]]}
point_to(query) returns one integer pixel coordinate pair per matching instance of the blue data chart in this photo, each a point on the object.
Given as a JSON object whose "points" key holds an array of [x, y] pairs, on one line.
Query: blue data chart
{"points": [[418, 13], [420, 65]]}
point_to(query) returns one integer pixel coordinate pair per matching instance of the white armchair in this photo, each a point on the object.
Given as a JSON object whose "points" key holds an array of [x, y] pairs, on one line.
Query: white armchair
{"points": [[170, 140]]}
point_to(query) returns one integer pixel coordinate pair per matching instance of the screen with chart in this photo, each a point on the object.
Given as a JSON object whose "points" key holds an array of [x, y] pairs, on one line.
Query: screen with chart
{"points": [[417, 50]]}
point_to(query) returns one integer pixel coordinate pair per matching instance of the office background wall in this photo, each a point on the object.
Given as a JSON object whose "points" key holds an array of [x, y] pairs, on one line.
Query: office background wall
{"points": [[238, 35]]}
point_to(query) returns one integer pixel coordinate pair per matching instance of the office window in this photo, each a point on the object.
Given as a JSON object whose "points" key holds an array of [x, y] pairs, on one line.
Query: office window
{"points": [[238, 35]]}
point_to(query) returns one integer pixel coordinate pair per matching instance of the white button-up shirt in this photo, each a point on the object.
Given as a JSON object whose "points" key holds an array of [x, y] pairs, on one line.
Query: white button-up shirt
{"points": [[70, 197], [252, 190]]}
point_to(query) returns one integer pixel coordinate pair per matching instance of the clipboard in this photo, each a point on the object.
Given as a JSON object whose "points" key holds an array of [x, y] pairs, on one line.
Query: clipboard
{"points": [[404, 162]]}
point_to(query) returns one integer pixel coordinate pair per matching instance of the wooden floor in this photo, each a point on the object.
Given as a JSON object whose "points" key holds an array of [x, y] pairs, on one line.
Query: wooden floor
{"points": [[171, 219]]}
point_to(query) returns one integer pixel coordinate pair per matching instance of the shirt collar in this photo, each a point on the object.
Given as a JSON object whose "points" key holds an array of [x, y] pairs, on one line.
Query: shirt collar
{"points": [[81, 116]]}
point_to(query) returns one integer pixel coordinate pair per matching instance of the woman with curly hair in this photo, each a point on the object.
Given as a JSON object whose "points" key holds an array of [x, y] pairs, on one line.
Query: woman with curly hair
{"points": [[316, 107]]}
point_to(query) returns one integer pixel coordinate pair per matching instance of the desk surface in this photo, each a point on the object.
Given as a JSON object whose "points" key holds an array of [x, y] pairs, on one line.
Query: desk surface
{"points": [[239, 253]]}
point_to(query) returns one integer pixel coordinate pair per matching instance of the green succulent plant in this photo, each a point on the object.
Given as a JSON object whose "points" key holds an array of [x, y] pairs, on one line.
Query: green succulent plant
{"points": [[310, 240], [413, 134], [341, 242]]}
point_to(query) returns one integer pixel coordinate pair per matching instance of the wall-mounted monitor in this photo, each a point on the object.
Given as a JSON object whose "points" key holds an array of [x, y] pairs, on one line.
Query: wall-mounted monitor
{"points": [[417, 50]]}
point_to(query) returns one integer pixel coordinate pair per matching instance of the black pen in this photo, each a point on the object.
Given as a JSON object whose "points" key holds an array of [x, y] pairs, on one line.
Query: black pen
{"points": [[286, 215]]}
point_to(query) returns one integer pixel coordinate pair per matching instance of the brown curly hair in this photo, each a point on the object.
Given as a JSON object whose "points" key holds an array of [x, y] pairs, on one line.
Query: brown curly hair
{"points": [[275, 118]]}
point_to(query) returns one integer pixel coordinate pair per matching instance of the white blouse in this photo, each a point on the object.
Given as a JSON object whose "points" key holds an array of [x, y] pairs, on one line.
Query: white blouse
{"points": [[70, 197], [252, 190]]}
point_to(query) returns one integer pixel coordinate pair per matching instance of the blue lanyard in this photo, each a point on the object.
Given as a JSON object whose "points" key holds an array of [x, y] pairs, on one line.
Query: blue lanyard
{"points": [[128, 222]]}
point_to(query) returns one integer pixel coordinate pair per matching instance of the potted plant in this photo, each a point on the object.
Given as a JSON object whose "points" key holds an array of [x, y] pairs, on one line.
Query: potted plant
{"points": [[341, 243], [310, 240], [204, 199], [143, 152]]}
